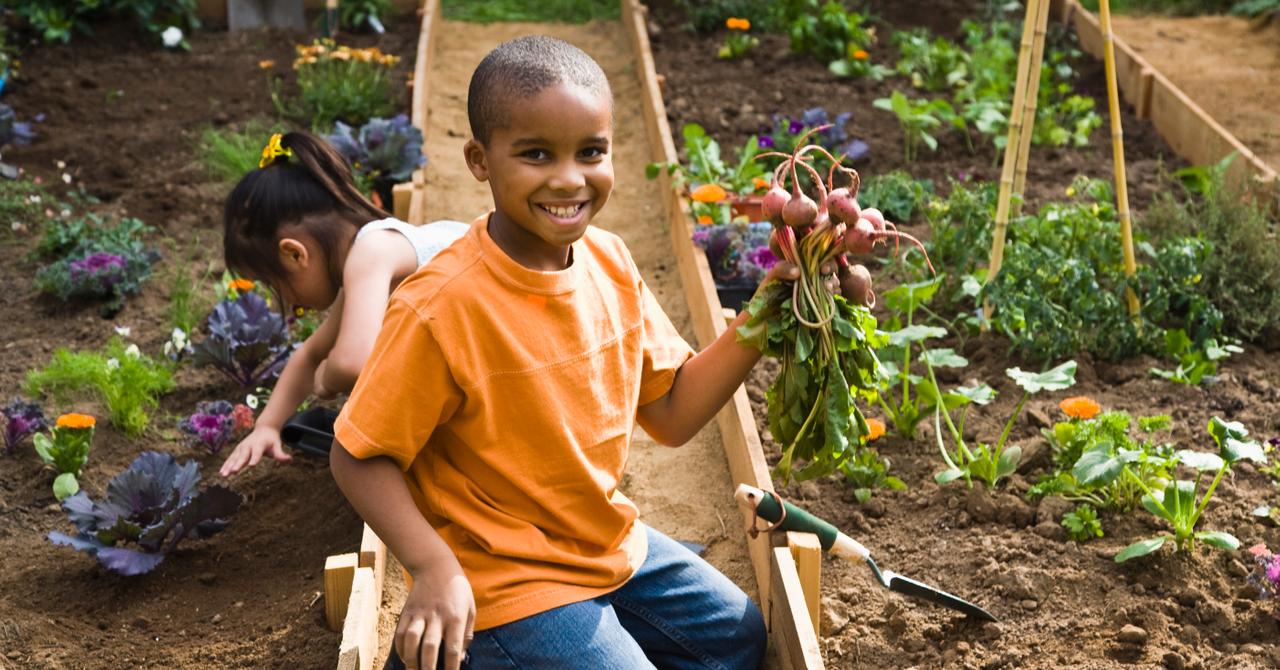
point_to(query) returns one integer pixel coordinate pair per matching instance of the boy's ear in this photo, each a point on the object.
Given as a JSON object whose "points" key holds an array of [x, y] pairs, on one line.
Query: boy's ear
{"points": [[477, 162], [293, 253]]}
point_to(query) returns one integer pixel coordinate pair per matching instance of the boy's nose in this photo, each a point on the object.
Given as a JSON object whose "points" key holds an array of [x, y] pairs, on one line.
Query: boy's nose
{"points": [[567, 178]]}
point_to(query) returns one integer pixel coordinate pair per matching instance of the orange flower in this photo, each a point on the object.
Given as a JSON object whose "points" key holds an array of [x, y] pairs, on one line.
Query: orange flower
{"points": [[860, 55], [704, 220], [76, 421], [876, 426], [241, 285], [266, 64], [709, 193], [1080, 407], [735, 23], [760, 183]]}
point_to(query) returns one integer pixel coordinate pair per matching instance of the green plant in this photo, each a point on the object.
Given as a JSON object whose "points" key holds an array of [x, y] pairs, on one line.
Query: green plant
{"points": [[707, 16], [739, 41], [58, 20], [354, 14], [339, 83], [986, 463], [92, 260], [187, 304], [896, 193], [123, 378], [867, 471], [1194, 363], [22, 203], [933, 65], [705, 166], [66, 449], [561, 11], [833, 35], [1178, 503], [1082, 524], [917, 118], [230, 153]]}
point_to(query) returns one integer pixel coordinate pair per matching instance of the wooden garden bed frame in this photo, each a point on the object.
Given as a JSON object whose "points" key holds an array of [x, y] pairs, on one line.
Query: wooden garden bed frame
{"points": [[1188, 129]]}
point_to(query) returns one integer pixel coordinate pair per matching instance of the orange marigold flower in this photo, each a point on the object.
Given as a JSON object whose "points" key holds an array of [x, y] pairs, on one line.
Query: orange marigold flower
{"points": [[735, 23], [1080, 407], [860, 54], [704, 219], [266, 64], [876, 426], [709, 193], [241, 285], [76, 421], [760, 183]]}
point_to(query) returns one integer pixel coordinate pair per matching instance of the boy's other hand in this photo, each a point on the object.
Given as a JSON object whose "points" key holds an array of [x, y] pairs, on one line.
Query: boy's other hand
{"points": [[438, 618], [263, 440]]}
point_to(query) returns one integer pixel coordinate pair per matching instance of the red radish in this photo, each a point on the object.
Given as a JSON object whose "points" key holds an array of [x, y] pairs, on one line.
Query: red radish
{"points": [[773, 202], [855, 286], [842, 205]]}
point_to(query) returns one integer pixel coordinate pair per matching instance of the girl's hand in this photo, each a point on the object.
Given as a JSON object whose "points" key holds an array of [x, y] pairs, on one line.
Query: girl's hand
{"points": [[262, 440], [438, 619], [317, 386]]}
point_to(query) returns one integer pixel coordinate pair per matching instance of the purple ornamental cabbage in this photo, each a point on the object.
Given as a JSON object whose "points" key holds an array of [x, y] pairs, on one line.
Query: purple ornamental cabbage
{"points": [[98, 272], [247, 341], [386, 150], [21, 419], [152, 505], [211, 426]]}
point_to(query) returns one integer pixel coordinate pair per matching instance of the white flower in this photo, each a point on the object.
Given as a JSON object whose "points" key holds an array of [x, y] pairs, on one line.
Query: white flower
{"points": [[66, 178], [123, 331], [179, 338], [251, 400], [172, 36], [133, 352], [112, 364]]}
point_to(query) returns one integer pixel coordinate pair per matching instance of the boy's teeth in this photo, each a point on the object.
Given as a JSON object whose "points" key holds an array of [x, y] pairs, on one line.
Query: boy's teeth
{"points": [[563, 212]]}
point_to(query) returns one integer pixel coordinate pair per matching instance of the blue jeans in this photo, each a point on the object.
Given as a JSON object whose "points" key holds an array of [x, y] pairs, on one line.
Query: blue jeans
{"points": [[675, 612]]}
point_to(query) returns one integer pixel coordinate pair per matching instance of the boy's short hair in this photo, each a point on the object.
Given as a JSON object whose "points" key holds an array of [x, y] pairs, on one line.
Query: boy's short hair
{"points": [[520, 69]]}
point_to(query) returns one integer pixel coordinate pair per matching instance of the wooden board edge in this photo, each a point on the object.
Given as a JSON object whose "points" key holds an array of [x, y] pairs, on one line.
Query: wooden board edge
{"points": [[360, 629], [800, 650], [339, 572], [736, 421], [431, 17]]}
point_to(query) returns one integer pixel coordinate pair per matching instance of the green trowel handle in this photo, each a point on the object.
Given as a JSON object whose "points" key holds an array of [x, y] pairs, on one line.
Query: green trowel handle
{"points": [[797, 519]]}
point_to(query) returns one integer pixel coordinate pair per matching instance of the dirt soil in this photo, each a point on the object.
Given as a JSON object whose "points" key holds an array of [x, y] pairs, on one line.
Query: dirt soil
{"points": [[1060, 604], [1227, 64], [124, 116]]}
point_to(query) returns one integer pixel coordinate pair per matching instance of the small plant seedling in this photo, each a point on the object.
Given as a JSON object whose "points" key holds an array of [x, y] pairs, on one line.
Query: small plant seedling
{"points": [[66, 449], [1082, 524]]}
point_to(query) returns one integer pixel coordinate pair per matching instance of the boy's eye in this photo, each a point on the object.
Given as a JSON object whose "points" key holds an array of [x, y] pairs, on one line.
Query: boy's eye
{"points": [[536, 154], [593, 152]]}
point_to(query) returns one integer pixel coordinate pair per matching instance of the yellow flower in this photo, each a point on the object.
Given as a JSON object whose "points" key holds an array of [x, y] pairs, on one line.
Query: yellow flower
{"points": [[299, 312], [266, 64], [860, 54], [1071, 191], [704, 219], [709, 193], [273, 150], [76, 421], [241, 285], [875, 429], [1080, 407], [341, 55], [760, 183], [735, 23]]}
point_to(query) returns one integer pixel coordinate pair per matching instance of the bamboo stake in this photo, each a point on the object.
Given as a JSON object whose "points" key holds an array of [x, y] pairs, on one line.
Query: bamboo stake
{"points": [[1032, 99], [1011, 146], [1117, 150]]}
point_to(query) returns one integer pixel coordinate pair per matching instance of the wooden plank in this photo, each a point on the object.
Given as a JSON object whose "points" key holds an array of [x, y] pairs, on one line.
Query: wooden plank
{"points": [[431, 19], [806, 549], [790, 614], [360, 630], [339, 571], [400, 196], [373, 554]]}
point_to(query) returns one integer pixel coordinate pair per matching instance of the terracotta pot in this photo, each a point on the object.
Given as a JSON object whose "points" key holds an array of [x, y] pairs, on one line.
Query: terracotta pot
{"points": [[750, 206]]}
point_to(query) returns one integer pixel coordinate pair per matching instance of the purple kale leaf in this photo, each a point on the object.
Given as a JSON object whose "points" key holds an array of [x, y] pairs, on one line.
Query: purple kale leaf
{"points": [[386, 150], [211, 426], [247, 341], [149, 507], [21, 419]]}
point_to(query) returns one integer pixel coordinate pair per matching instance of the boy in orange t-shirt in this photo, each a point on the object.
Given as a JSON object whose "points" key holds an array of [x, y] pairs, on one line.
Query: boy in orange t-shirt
{"points": [[487, 434]]}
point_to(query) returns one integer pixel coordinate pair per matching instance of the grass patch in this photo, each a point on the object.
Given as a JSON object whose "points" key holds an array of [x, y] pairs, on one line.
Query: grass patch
{"points": [[228, 154], [22, 204], [550, 11]]}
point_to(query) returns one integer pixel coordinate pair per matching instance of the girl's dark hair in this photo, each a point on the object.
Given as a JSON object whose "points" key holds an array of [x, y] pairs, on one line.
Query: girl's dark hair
{"points": [[309, 187]]}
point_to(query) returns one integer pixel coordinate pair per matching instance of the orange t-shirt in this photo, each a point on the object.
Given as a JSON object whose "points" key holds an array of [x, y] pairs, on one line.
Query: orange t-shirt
{"points": [[509, 396]]}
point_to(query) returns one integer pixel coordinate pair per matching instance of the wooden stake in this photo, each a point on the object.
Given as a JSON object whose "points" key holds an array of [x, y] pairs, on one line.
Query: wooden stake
{"points": [[1030, 100], [788, 613], [1012, 145], [1117, 151], [373, 555], [339, 570], [806, 549]]}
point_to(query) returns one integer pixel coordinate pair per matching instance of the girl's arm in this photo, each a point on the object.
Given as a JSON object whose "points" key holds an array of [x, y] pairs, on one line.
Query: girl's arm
{"points": [[373, 262]]}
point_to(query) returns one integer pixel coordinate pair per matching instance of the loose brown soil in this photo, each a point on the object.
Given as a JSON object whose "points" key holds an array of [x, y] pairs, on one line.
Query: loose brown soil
{"points": [[1227, 65], [124, 117], [1060, 604]]}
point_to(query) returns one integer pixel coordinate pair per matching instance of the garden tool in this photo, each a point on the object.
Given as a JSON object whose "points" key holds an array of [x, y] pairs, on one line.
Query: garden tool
{"points": [[310, 431], [786, 516]]}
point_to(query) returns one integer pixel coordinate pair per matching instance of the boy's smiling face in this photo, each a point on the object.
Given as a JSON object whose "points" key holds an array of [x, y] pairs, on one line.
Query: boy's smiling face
{"points": [[550, 168]]}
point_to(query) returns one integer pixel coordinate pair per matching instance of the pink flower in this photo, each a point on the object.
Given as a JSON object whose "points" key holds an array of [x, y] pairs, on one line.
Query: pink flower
{"points": [[1259, 550], [1273, 570], [243, 417]]}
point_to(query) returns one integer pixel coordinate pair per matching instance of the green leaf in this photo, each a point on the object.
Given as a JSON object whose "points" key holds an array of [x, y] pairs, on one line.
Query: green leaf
{"points": [[1234, 451], [1149, 503], [1141, 548], [1008, 461], [1180, 500], [916, 333], [1056, 379], [1097, 467], [1219, 539], [1200, 460], [44, 447], [804, 343], [905, 298], [1221, 430], [65, 486], [943, 358], [948, 475], [862, 495], [652, 170], [978, 395], [840, 68]]}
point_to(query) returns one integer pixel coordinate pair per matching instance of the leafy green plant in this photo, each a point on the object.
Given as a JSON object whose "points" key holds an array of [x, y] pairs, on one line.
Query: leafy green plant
{"points": [[123, 378], [22, 203], [94, 261], [739, 41], [187, 303], [933, 65], [867, 471], [1178, 504], [58, 20], [833, 35], [230, 153], [989, 464], [897, 194], [1194, 363], [339, 83], [1082, 524], [356, 14], [918, 118], [66, 449], [705, 166], [707, 16]]}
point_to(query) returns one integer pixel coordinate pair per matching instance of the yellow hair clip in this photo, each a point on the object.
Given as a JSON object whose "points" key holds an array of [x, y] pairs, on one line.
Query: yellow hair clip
{"points": [[273, 150]]}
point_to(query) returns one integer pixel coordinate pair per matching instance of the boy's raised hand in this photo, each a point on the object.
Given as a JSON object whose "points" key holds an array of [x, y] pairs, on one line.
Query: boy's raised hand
{"points": [[438, 618]]}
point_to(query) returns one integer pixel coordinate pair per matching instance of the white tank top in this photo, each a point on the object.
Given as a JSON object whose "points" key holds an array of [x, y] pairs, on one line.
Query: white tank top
{"points": [[428, 239]]}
